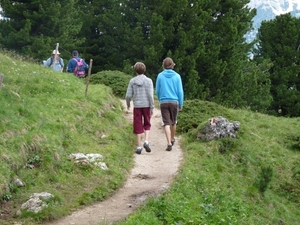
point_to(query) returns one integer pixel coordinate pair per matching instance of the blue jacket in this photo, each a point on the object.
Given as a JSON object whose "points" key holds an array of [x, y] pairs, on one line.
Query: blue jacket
{"points": [[169, 87], [72, 64]]}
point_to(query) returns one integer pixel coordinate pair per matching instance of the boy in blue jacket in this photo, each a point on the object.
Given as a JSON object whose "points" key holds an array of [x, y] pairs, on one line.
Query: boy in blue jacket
{"points": [[169, 91]]}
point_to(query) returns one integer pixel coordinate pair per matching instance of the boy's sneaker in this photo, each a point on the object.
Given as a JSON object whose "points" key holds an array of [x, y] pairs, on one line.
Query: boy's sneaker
{"points": [[146, 146], [138, 150], [169, 148], [173, 142]]}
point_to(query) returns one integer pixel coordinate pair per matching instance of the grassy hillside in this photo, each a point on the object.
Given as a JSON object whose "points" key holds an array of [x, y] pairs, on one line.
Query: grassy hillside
{"points": [[251, 180], [45, 116]]}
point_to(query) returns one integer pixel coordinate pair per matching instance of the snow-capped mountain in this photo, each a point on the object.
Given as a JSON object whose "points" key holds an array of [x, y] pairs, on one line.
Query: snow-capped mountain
{"points": [[268, 10], [277, 7]]}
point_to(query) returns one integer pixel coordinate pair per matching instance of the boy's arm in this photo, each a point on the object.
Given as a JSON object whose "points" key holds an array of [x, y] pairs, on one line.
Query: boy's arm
{"points": [[157, 87], [180, 94], [151, 98]]}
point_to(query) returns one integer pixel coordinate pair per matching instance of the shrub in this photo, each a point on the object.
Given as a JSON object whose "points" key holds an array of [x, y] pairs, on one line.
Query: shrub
{"points": [[264, 178], [228, 145], [293, 142], [116, 80]]}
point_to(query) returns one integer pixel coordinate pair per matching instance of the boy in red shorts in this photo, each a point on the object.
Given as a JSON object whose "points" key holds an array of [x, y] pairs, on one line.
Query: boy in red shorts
{"points": [[140, 89]]}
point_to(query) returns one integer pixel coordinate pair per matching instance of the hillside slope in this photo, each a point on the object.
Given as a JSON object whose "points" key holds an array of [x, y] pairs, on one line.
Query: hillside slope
{"points": [[45, 117]]}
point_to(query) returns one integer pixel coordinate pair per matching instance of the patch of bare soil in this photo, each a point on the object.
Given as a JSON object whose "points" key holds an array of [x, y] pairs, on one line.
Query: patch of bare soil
{"points": [[152, 173]]}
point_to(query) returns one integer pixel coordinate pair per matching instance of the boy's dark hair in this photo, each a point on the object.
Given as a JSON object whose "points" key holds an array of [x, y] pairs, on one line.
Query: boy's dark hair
{"points": [[139, 68]]}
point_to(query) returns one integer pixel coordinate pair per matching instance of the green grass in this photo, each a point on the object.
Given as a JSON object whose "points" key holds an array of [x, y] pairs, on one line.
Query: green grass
{"points": [[251, 180], [45, 116]]}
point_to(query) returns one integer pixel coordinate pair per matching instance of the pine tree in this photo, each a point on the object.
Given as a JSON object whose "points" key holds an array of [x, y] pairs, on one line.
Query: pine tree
{"points": [[204, 38], [279, 41], [105, 32], [33, 28], [225, 55]]}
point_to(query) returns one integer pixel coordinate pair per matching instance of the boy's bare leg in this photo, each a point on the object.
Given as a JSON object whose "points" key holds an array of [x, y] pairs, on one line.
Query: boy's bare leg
{"points": [[147, 132], [146, 141], [139, 140], [168, 133], [173, 131]]}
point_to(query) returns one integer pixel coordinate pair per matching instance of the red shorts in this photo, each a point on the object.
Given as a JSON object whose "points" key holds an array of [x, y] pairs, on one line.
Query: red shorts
{"points": [[141, 120], [169, 112]]}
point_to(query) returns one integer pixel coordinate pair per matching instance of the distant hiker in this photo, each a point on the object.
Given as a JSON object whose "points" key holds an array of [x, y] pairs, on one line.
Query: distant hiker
{"points": [[59, 62], [140, 88], [170, 95], [77, 65]]}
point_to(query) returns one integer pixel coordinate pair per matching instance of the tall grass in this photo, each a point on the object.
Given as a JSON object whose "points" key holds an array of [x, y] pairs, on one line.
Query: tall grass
{"points": [[45, 116]]}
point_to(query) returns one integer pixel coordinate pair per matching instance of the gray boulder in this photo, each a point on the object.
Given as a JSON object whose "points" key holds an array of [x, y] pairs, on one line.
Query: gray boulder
{"points": [[217, 128], [36, 202]]}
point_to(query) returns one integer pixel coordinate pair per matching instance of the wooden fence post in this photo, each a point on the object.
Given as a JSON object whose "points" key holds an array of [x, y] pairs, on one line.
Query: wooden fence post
{"points": [[54, 60], [88, 77]]}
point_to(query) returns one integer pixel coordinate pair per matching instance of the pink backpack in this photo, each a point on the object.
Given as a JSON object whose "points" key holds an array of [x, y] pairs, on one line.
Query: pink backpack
{"points": [[79, 70]]}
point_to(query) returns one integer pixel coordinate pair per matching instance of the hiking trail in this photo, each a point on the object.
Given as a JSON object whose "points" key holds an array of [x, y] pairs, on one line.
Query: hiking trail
{"points": [[151, 174]]}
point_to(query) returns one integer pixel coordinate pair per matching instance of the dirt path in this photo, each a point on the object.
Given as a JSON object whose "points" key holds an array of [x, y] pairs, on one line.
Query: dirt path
{"points": [[152, 173]]}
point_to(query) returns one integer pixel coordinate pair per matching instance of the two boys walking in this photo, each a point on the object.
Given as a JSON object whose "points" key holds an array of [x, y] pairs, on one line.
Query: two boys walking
{"points": [[170, 95]]}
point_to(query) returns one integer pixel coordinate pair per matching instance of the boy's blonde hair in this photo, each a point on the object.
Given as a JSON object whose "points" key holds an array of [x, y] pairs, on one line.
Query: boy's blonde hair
{"points": [[168, 63], [139, 68]]}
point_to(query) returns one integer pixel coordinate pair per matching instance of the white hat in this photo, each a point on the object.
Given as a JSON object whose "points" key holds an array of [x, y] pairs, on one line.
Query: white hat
{"points": [[57, 52]]}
